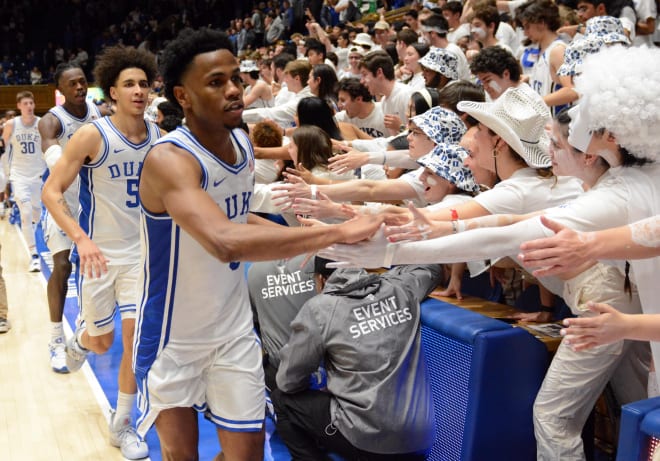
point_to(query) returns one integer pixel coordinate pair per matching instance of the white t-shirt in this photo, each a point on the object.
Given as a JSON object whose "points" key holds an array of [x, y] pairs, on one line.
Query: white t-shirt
{"points": [[280, 114], [507, 36], [417, 82], [461, 31], [645, 9], [525, 192], [373, 124], [397, 102]]}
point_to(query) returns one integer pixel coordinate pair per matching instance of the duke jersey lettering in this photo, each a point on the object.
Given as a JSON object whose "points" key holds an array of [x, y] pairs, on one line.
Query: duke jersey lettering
{"points": [[189, 299], [25, 157], [109, 212], [70, 124], [540, 79]]}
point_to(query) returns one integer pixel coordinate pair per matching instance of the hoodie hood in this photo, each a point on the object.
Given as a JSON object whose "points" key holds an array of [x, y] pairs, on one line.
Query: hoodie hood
{"points": [[353, 283]]}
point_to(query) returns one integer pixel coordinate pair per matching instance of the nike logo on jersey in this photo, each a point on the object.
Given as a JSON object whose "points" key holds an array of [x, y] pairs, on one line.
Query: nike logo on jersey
{"points": [[216, 183], [116, 151]]}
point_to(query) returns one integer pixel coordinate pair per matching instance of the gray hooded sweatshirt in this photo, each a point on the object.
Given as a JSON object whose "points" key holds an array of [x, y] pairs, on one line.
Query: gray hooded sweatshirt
{"points": [[366, 327]]}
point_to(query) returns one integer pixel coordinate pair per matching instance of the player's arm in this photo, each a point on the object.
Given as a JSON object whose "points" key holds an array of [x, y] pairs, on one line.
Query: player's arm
{"points": [[83, 145], [170, 182], [7, 132], [49, 130]]}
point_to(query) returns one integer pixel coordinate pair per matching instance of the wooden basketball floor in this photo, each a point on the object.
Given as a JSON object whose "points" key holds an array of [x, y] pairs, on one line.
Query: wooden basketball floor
{"points": [[45, 416]]}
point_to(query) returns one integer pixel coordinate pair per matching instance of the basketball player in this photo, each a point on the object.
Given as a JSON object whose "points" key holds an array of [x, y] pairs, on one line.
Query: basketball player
{"points": [[107, 154], [195, 349], [26, 165], [55, 128]]}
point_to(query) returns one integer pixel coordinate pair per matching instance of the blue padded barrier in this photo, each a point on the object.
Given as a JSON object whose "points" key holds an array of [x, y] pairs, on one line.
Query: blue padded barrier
{"points": [[484, 376], [639, 421]]}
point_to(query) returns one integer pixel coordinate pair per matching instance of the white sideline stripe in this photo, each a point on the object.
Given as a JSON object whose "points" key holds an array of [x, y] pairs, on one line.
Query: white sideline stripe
{"points": [[86, 369]]}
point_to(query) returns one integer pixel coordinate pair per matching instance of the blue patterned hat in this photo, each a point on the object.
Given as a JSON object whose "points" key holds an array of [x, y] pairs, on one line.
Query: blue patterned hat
{"points": [[446, 161], [441, 61], [576, 52], [441, 125], [606, 28]]}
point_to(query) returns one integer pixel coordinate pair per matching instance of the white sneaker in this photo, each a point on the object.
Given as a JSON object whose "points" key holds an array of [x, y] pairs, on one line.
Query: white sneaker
{"points": [[5, 326], [124, 437], [75, 354], [35, 264], [58, 355]]}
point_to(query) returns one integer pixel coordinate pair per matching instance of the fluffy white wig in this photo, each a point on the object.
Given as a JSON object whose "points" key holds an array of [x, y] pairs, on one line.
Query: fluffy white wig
{"points": [[621, 87]]}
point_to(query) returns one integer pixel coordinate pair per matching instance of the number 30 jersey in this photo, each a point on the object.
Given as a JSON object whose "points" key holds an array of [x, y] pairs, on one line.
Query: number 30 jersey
{"points": [[25, 156], [109, 211]]}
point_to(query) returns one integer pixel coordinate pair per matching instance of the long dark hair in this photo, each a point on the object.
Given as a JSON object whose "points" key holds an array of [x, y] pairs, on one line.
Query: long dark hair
{"points": [[314, 146], [329, 82], [315, 111]]}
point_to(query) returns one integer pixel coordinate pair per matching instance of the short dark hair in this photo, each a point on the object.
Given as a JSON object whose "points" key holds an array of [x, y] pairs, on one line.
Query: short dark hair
{"points": [[379, 60], [453, 6], [354, 88], [412, 13], [488, 14], [496, 59], [63, 67], [407, 36], [281, 60], [539, 11], [115, 59], [461, 90], [438, 21], [315, 45], [169, 108], [179, 54]]}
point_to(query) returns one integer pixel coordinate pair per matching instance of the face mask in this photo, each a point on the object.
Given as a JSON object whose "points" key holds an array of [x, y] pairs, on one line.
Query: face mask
{"points": [[495, 86], [478, 32]]}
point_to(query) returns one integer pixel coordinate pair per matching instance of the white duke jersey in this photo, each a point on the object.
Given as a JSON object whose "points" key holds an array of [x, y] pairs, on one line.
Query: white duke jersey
{"points": [[70, 124], [109, 212], [541, 80], [189, 299], [26, 161]]}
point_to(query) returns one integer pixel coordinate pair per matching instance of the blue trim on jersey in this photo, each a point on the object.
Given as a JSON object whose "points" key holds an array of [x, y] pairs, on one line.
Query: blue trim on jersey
{"points": [[235, 169], [106, 145], [87, 201], [90, 106], [158, 299], [126, 140], [205, 174]]}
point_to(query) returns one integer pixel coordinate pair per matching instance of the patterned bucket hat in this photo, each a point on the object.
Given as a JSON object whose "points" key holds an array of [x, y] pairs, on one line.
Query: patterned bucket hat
{"points": [[441, 125], [576, 52], [441, 61], [446, 161], [606, 28]]}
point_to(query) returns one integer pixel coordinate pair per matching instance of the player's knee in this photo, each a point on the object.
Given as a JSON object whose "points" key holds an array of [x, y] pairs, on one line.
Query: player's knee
{"points": [[61, 265]]}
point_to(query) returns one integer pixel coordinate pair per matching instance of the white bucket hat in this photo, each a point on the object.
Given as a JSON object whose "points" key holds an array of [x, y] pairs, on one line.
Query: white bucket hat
{"points": [[364, 39], [441, 61], [248, 66], [518, 116]]}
